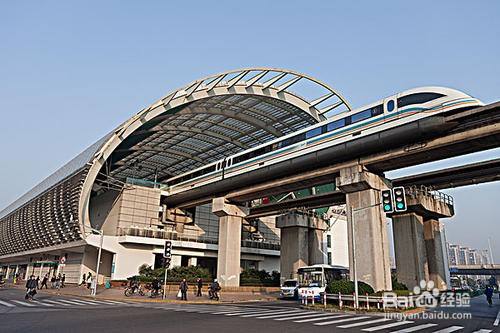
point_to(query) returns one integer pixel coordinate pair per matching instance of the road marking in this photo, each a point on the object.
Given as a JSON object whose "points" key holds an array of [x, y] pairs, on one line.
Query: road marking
{"points": [[497, 320], [263, 313], [41, 303], [55, 302], [302, 316], [239, 312], [449, 329], [318, 319], [22, 303], [7, 304], [364, 323], [340, 320], [69, 302], [415, 328], [297, 312], [378, 328], [80, 302], [482, 331]]}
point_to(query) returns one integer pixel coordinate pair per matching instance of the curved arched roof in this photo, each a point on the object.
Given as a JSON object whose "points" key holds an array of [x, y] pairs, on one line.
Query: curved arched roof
{"points": [[197, 124]]}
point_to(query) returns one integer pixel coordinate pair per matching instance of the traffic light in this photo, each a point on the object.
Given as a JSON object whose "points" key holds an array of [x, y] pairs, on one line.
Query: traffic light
{"points": [[399, 199], [387, 202], [167, 252]]}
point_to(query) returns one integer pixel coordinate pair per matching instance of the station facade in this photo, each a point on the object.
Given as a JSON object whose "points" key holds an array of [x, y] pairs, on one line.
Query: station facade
{"points": [[115, 187]]}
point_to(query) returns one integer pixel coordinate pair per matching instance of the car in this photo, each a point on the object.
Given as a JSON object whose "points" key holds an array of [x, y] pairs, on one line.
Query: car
{"points": [[290, 289]]}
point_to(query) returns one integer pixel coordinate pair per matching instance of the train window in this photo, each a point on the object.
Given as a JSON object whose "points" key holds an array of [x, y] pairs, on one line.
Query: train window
{"points": [[361, 116], [390, 105], [223, 164], [335, 125], [417, 98], [293, 139], [376, 110], [314, 132]]}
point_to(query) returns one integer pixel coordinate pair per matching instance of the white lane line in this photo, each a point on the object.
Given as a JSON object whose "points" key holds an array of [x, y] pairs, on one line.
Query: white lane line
{"points": [[81, 302], [7, 304], [263, 313], [115, 302], [280, 315], [364, 323], [303, 316], [41, 303], [340, 321], [55, 302], [482, 330], [22, 303], [321, 318], [239, 312], [68, 302], [497, 320], [449, 329], [415, 328], [381, 327]]}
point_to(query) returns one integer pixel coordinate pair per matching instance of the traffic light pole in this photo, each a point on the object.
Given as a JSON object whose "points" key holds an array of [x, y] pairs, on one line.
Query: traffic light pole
{"points": [[354, 268], [165, 283]]}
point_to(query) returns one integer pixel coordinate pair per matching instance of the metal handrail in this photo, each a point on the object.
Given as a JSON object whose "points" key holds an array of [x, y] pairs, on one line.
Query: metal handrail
{"points": [[428, 191]]}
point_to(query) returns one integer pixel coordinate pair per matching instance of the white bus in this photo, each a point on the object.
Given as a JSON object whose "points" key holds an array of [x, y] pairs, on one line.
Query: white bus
{"points": [[314, 279]]}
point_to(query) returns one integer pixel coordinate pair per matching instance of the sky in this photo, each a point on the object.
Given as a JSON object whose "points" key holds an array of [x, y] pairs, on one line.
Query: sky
{"points": [[71, 71]]}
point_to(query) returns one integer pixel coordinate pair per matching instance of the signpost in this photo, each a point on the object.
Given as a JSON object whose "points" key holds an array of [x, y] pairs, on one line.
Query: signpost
{"points": [[167, 256]]}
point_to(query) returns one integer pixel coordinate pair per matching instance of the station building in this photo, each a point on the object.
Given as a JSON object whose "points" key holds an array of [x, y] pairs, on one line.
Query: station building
{"points": [[115, 188]]}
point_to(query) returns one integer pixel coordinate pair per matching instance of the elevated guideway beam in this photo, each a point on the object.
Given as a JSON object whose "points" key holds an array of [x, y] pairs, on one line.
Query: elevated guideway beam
{"points": [[470, 131]]}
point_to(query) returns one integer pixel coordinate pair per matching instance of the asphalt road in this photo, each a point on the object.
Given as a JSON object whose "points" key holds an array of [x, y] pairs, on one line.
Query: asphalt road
{"points": [[70, 314]]}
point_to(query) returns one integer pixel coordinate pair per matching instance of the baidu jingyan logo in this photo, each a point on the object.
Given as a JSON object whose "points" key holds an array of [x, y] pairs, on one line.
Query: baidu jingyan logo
{"points": [[427, 294]]}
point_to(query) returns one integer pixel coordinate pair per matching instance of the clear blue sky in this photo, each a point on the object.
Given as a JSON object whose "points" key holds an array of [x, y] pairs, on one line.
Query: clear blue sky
{"points": [[71, 71]]}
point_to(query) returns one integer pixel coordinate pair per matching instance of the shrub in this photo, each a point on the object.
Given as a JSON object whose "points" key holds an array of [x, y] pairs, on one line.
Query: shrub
{"points": [[175, 274], [396, 285], [347, 287], [253, 277]]}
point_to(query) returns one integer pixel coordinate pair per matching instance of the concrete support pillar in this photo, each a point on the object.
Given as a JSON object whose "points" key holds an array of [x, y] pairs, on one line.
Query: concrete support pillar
{"points": [[419, 243], [434, 246], [229, 253], [301, 242], [410, 249], [362, 190]]}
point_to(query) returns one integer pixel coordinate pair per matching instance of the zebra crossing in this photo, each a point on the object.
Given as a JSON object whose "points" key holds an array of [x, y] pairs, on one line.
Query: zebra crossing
{"points": [[315, 319], [14, 305]]}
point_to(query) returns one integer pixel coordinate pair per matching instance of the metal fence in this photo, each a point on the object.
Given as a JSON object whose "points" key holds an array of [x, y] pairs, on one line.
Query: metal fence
{"points": [[427, 191]]}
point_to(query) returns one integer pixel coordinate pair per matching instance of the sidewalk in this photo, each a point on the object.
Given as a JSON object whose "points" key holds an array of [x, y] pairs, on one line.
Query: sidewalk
{"points": [[117, 293]]}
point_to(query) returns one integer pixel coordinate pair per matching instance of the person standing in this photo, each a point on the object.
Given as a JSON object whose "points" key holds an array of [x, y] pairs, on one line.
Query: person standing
{"points": [[489, 295], [199, 283], [30, 288], [44, 281], [53, 281], [183, 288]]}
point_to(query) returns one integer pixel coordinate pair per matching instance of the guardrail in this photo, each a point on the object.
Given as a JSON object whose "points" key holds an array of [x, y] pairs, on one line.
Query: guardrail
{"points": [[191, 236], [428, 191], [364, 301]]}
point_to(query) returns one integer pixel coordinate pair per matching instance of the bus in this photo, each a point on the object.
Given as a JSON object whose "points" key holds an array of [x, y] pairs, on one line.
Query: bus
{"points": [[314, 279]]}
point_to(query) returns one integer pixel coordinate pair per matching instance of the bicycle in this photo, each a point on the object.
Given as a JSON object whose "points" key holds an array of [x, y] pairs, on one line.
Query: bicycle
{"points": [[134, 291]]}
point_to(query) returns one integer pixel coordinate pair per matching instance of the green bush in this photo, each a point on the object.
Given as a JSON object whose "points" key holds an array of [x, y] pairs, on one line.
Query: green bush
{"points": [[347, 287], [396, 285], [253, 277]]}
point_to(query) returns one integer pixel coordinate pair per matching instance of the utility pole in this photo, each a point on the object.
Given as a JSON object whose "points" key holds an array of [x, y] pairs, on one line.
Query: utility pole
{"points": [[101, 233]]}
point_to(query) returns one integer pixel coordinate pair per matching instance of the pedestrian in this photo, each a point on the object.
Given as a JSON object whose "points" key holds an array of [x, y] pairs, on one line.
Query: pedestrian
{"points": [[30, 288], [44, 281], [58, 281], [38, 282], [89, 280], [63, 280], [83, 280], [183, 287], [53, 281], [199, 283], [93, 286], [15, 279], [489, 295]]}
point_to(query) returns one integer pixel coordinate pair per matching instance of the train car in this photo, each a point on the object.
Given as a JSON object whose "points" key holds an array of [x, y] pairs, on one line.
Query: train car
{"points": [[393, 112]]}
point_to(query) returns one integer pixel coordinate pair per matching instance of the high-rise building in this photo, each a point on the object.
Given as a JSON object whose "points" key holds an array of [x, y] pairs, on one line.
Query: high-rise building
{"points": [[463, 255]]}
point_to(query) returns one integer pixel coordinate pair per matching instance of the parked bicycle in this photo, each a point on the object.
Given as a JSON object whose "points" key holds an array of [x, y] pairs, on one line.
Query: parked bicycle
{"points": [[134, 290]]}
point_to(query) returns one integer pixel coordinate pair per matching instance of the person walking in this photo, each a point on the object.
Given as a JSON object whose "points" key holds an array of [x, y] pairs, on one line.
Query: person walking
{"points": [[83, 280], [489, 295], [30, 288], [199, 283], [89, 280], [53, 281], [183, 288], [37, 282], [44, 281], [58, 281], [63, 280]]}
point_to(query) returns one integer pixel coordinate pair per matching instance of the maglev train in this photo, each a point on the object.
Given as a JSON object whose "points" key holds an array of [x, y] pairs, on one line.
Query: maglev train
{"points": [[389, 113]]}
